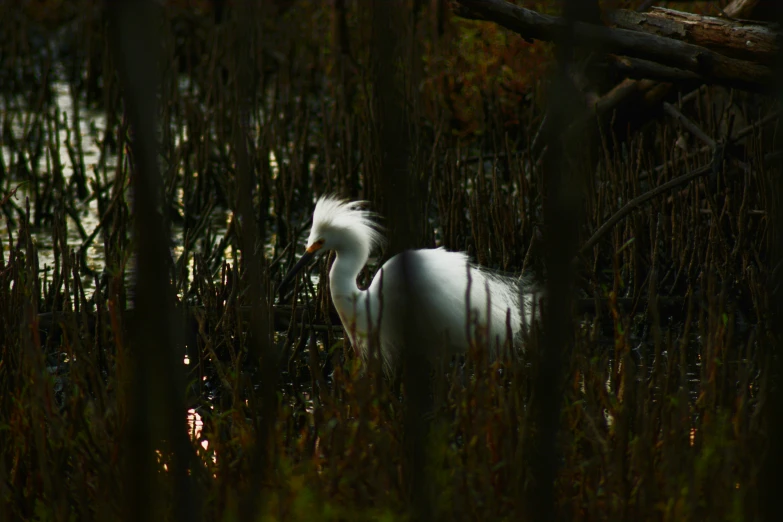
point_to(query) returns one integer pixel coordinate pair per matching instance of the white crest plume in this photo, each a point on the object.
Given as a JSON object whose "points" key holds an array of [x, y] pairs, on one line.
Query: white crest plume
{"points": [[349, 218]]}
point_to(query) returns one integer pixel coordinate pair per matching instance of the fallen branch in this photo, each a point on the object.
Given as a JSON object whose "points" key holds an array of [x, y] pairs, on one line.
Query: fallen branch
{"points": [[739, 39], [638, 69], [638, 201]]}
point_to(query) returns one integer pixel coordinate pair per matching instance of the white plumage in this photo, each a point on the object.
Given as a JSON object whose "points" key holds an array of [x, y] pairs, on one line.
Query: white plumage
{"points": [[438, 277]]}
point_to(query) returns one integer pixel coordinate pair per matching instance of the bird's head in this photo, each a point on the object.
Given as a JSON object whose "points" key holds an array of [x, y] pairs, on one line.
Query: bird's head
{"points": [[344, 226]]}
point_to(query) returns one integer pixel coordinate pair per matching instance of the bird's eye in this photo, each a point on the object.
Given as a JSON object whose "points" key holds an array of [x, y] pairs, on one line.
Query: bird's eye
{"points": [[316, 246]]}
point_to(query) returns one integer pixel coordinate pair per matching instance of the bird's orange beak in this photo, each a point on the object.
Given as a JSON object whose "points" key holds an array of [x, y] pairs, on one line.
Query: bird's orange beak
{"points": [[315, 247]]}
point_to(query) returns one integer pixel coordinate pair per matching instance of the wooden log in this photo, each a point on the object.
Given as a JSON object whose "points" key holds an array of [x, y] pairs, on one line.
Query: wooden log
{"points": [[752, 41]]}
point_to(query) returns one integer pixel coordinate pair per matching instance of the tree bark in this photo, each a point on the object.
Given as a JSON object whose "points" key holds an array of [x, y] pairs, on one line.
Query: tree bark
{"points": [[739, 39]]}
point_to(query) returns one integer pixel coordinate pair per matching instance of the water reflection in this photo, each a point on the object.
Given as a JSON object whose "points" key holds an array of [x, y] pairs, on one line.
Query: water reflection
{"points": [[99, 165], [89, 129], [196, 425]]}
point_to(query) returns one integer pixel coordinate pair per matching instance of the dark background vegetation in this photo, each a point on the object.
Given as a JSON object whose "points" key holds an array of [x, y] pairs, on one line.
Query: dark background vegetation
{"points": [[646, 396]]}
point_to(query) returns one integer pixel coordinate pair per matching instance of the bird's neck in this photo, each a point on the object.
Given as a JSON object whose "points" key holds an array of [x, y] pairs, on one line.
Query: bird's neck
{"points": [[342, 276], [348, 299]]}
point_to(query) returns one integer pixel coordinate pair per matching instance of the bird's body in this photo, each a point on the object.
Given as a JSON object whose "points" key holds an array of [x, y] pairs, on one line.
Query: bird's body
{"points": [[437, 315]]}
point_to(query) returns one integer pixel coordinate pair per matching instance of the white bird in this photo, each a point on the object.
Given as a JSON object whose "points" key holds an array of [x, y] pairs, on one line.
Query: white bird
{"points": [[438, 277]]}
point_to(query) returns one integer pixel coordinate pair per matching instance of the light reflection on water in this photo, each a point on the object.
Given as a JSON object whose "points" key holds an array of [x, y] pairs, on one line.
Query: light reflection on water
{"points": [[196, 423], [91, 128]]}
